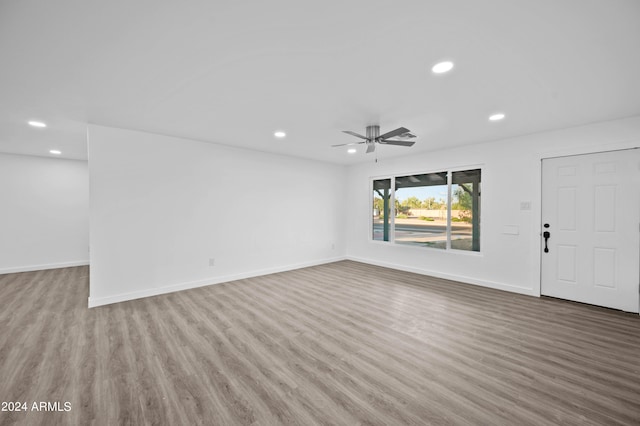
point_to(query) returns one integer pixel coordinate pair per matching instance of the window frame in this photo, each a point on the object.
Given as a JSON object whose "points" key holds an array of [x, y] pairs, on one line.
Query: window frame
{"points": [[392, 208]]}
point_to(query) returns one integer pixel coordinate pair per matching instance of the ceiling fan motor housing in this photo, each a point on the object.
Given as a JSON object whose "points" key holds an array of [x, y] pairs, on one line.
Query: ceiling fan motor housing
{"points": [[373, 132]]}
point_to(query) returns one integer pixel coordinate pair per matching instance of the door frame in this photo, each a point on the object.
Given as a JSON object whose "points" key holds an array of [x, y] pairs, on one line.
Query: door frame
{"points": [[567, 152]]}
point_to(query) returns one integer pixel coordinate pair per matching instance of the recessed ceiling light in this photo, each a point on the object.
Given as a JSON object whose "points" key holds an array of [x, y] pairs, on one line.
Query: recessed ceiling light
{"points": [[55, 152], [37, 124], [352, 150], [496, 117], [279, 134], [442, 67]]}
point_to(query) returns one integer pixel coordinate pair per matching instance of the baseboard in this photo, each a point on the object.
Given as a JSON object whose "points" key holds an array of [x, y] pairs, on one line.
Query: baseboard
{"points": [[123, 297], [453, 277], [30, 268]]}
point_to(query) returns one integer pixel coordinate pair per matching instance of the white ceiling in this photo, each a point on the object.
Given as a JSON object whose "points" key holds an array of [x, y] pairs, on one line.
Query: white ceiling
{"points": [[233, 72]]}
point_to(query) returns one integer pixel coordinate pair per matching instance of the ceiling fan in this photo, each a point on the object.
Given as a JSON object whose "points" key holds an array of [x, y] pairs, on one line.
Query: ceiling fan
{"points": [[373, 137]]}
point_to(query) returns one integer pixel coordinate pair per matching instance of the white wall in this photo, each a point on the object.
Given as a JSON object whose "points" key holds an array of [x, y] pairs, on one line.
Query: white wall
{"points": [[44, 213], [162, 206], [511, 174]]}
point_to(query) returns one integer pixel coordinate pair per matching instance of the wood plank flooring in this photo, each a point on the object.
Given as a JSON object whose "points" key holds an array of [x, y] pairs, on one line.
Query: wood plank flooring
{"points": [[337, 344]]}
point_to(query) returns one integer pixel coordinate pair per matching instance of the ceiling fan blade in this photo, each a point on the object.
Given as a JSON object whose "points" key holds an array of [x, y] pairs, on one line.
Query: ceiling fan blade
{"points": [[357, 135], [399, 143], [397, 132], [371, 147], [347, 144]]}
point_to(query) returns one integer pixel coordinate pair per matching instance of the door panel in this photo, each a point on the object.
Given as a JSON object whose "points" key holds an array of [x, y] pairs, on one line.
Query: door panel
{"points": [[604, 267], [604, 214], [592, 206], [567, 209], [567, 263]]}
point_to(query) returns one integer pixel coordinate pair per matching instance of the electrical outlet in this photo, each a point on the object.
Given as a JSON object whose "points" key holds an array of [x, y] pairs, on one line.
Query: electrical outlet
{"points": [[212, 262], [333, 246]]}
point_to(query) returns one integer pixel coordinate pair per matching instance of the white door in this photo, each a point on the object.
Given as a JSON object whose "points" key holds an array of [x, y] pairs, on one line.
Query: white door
{"points": [[591, 212]]}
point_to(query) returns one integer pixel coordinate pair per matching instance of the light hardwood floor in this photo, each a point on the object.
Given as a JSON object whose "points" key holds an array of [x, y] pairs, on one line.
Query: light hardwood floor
{"points": [[337, 344]]}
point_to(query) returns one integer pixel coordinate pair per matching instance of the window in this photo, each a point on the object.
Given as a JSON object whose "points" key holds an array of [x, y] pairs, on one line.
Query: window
{"points": [[438, 210], [381, 209], [421, 210], [465, 210]]}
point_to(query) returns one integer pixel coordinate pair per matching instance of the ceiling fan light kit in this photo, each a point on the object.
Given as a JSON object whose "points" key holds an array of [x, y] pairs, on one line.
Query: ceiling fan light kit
{"points": [[373, 137]]}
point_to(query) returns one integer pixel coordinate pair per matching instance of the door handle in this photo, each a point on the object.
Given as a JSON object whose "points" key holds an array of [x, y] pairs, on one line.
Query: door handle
{"points": [[546, 235]]}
